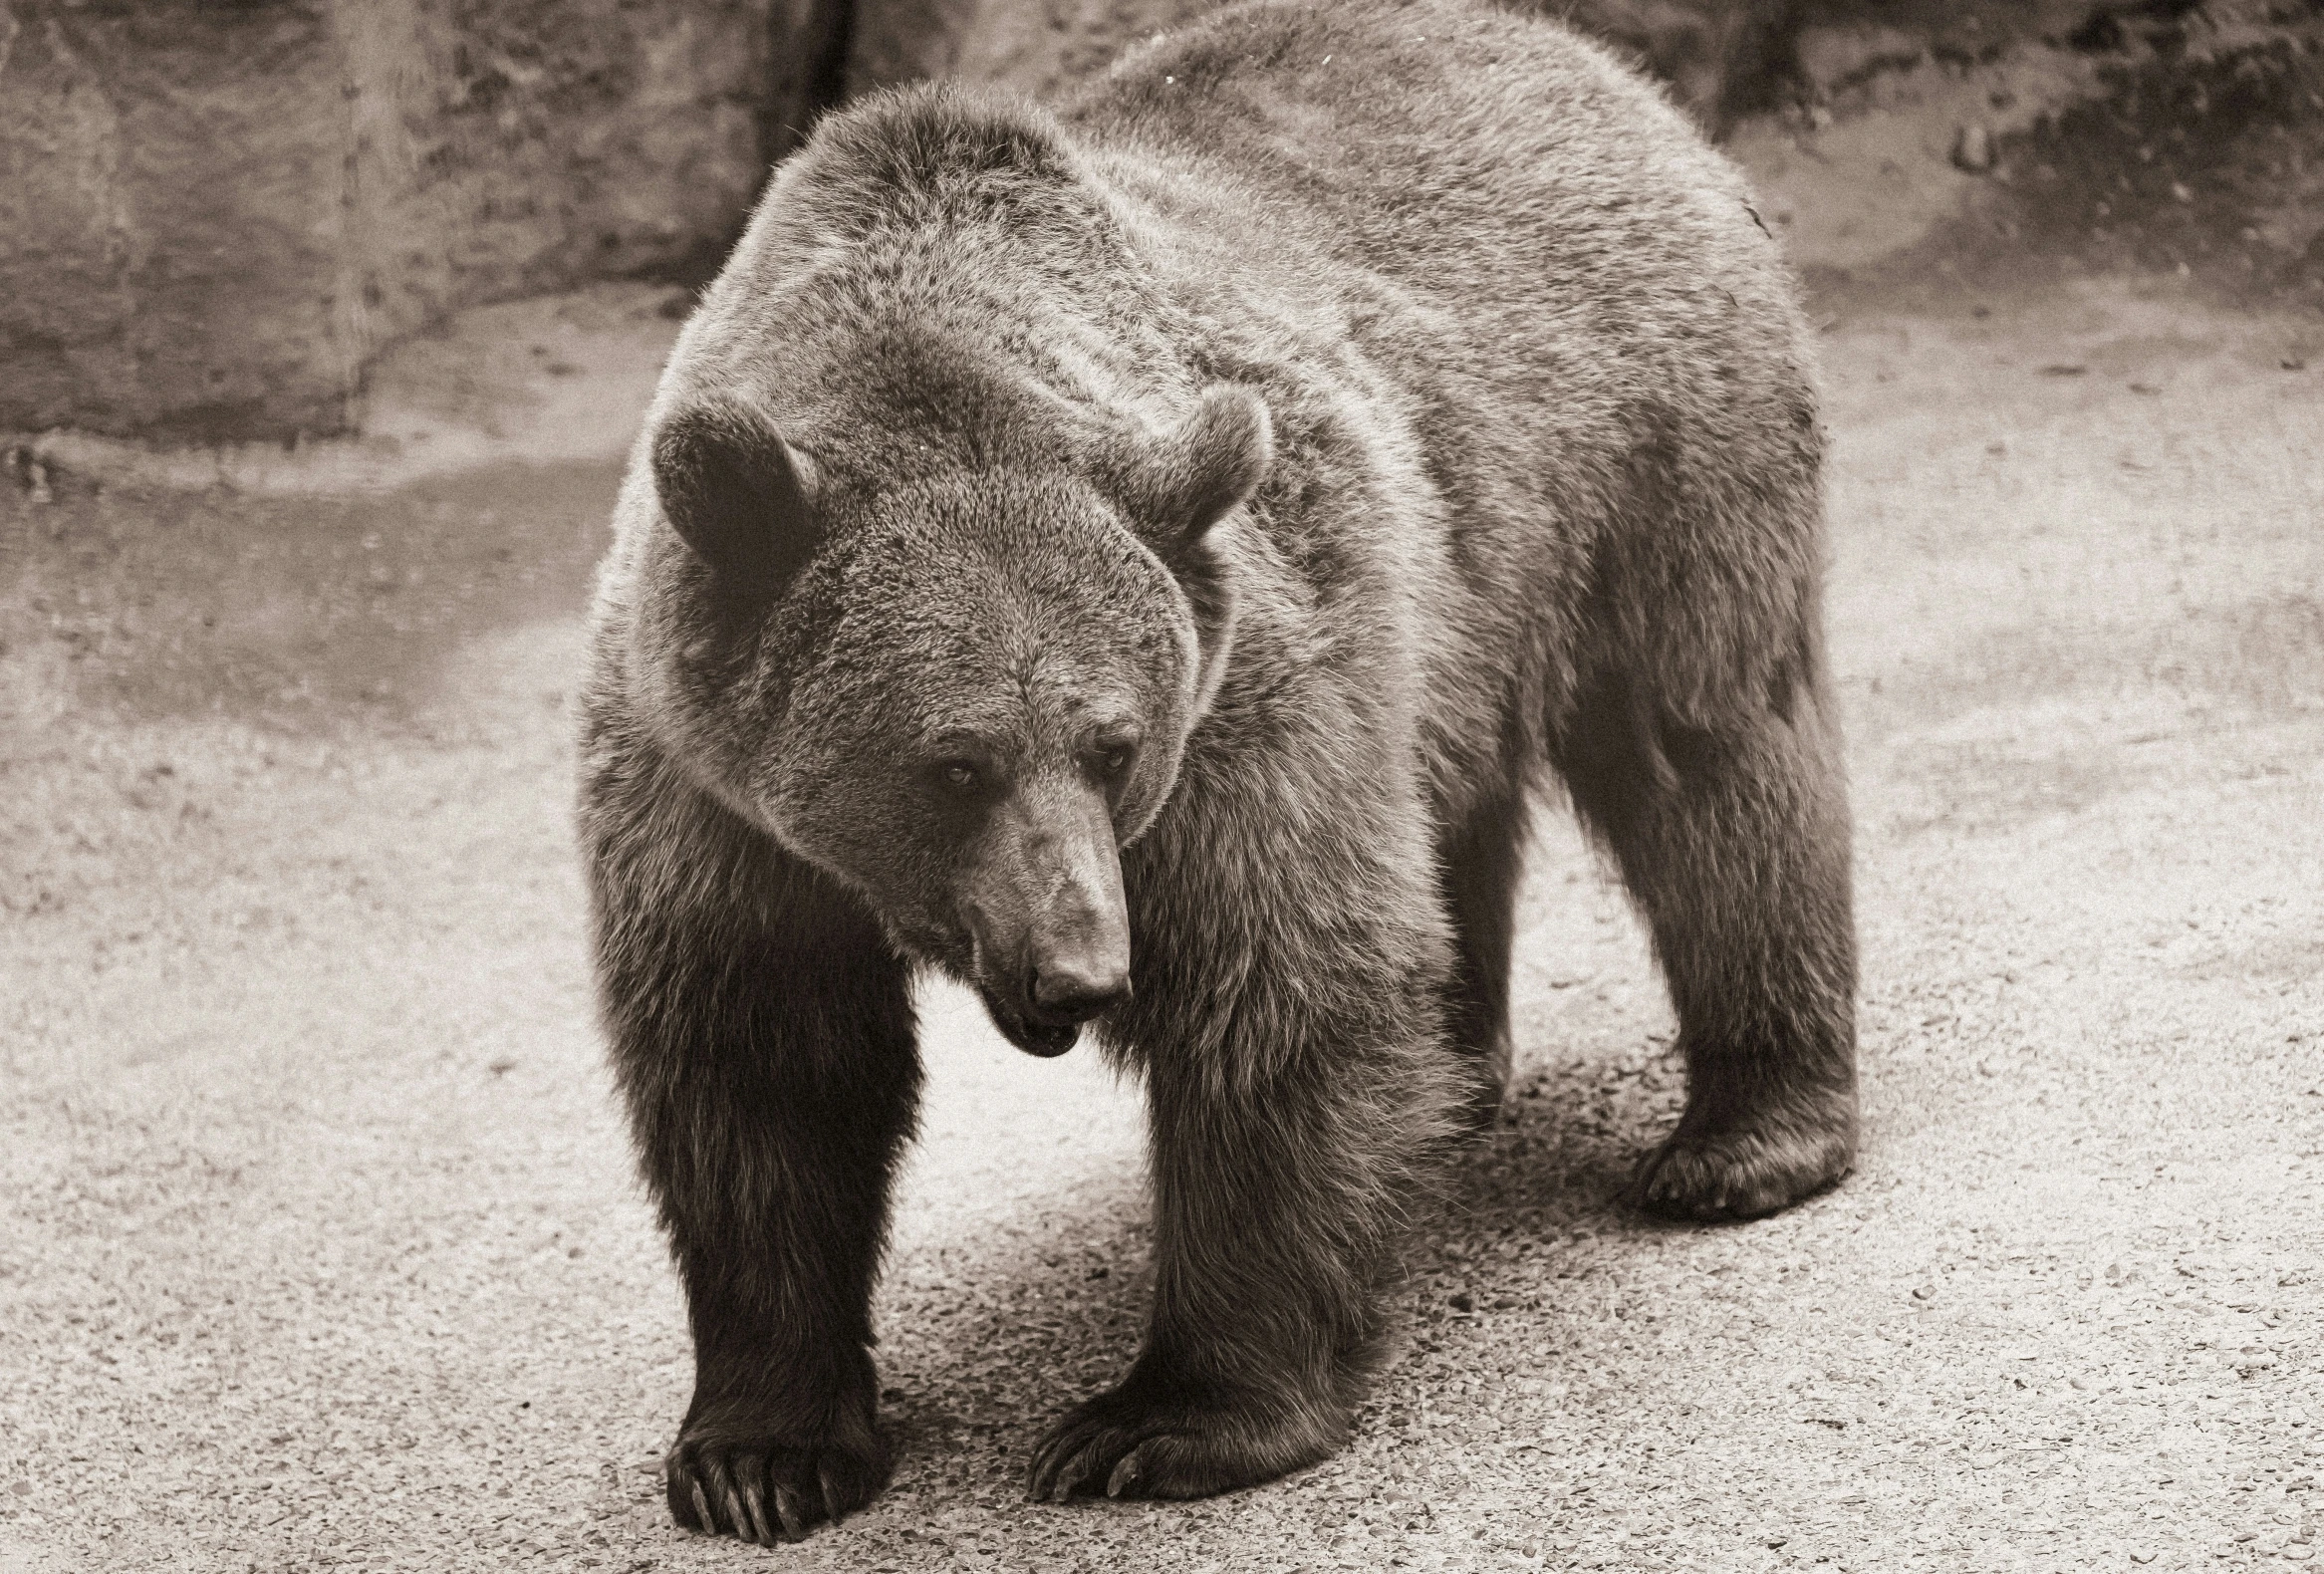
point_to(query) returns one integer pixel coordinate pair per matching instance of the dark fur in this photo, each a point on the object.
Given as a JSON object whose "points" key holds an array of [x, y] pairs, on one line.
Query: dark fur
{"points": [[1540, 494]]}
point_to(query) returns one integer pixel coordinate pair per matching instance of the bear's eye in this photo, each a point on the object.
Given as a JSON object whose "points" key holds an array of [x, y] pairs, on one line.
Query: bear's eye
{"points": [[957, 774], [1115, 760]]}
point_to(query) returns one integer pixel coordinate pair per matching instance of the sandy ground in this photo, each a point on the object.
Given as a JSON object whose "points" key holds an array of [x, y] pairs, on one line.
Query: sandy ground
{"points": [[322, 1248]]}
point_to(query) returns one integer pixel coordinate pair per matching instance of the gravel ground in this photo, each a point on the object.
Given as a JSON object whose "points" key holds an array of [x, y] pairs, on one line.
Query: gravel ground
{"points": [[324, 1251]]}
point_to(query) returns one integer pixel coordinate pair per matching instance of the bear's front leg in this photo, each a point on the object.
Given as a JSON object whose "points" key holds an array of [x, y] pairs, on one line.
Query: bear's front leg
{"points": [[1282, 1179], [762, 1030]]}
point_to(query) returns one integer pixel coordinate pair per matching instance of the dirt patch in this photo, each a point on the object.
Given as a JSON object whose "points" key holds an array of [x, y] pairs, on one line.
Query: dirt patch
{"points": [[2211, 165], [1938, 146]]}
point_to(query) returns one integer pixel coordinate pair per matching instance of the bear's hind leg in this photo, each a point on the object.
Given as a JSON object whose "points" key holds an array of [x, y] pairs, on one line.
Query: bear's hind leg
{"points": [[1482, 862], [762, 1031], [1734, 839]]}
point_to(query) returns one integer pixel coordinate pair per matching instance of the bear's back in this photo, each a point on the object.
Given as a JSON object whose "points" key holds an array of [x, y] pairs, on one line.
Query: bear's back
{"points": [[1530, 240], [1471, 155]]}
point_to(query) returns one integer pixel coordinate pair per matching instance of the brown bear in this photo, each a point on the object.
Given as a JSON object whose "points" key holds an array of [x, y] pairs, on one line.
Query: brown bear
{"points": [[1138, 559]]}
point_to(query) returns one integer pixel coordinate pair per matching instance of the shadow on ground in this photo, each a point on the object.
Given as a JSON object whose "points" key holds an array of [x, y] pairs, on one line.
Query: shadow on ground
{"points": [[293, 612]]}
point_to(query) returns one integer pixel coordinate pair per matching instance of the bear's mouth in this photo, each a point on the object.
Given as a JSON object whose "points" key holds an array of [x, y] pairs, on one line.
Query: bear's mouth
{"points": [[1035, 1038]]}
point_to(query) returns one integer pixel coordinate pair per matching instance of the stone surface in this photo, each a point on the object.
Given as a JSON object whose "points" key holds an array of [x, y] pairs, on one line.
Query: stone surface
{"points": [[1973, 150], [214, 216]]}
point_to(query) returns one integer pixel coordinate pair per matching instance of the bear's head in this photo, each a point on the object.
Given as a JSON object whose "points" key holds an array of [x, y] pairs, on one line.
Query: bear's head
{"points": [[959, 680]]}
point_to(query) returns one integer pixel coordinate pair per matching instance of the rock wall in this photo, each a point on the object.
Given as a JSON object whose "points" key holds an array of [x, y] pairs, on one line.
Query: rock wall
{"points": [[215, 213]]}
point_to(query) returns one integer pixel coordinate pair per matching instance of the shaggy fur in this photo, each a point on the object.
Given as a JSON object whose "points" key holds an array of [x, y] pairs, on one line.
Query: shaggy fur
{"points": [[1139, 560]]}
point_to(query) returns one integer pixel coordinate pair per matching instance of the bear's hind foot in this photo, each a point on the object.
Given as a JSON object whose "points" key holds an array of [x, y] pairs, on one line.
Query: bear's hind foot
{"points": [[1746, 1167], [1142, 1440], [766, 1489]]}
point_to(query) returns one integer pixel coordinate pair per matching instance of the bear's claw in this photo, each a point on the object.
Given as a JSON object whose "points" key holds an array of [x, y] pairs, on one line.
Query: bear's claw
{"points": [[767, 1492], [1123, 1465]]}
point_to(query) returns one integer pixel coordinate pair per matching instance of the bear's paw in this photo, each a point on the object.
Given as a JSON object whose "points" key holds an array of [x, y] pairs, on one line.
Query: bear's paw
{"points": [[1742, 1168], [1140, 1441]]}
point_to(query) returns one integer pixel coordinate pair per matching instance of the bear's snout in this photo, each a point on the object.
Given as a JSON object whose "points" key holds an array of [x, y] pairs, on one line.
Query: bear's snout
{"points": [[1044, 1014], [1045, 910]]}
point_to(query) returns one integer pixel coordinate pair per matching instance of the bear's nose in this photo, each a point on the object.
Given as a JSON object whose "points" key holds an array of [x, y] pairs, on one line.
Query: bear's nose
{"points": [[1074, 990]]}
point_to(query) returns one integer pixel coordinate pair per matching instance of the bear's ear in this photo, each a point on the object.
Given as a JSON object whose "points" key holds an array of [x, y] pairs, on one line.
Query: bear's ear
{"points": [[738, 494], [1211, 464]]}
